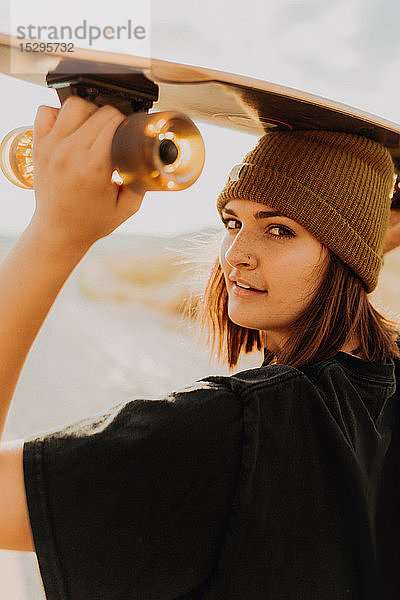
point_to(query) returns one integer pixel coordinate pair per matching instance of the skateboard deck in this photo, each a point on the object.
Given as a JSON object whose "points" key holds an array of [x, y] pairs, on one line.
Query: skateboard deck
{"points": [[219, 98]]}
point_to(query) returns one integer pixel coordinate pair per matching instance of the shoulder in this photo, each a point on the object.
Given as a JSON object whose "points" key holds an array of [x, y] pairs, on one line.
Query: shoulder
{"points": [[190, 411], [265, 377], [305, 385]]}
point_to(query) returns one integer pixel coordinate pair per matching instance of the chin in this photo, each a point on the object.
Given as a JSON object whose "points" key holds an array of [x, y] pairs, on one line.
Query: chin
{"points": [[242, 321]]}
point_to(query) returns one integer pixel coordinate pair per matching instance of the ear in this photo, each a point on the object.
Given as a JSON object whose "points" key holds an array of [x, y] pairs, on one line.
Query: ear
{"points": [[395, 200], [392, 238]]}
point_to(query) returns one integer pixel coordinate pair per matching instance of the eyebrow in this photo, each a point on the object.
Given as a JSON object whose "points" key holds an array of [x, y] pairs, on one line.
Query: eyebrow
{"points": [[262, 214]]}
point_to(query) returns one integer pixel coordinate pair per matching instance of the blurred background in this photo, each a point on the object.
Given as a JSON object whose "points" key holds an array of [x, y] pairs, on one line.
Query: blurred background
{"points": [[117, 330]]}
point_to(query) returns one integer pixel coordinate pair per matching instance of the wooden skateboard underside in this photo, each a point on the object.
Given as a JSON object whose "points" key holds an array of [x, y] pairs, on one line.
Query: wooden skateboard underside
{"points": [[215, 97]]}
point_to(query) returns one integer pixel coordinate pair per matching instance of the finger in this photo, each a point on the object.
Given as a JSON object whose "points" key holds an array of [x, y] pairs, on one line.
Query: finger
{"points": [[73, 113], [45, 118], [97, 132], [100, 148]]}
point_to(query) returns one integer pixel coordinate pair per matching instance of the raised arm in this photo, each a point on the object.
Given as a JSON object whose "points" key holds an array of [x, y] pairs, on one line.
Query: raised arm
{"points": [[76, 204]]}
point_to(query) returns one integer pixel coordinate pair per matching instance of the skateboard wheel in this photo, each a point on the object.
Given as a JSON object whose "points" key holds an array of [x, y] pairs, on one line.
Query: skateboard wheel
{"points": [[16, 157], [158, 151]]}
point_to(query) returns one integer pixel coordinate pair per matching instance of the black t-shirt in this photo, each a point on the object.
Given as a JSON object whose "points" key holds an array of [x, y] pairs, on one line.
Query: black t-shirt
{"points": [[275, 483]]}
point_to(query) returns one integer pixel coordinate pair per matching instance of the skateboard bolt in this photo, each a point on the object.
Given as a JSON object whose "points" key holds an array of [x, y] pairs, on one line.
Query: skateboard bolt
{"points": [[93, 92]]}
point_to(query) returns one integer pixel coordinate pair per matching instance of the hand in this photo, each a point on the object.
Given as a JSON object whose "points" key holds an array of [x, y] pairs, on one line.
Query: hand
{"points": [[76, 201], [392, 238]]}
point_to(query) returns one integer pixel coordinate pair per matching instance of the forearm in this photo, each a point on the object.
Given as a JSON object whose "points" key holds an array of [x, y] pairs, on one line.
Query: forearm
{"points": [[77, 204], [31, 276]]}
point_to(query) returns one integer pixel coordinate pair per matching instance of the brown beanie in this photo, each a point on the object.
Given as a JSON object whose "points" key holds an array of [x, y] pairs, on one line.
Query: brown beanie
{"points": [[337, 185]]}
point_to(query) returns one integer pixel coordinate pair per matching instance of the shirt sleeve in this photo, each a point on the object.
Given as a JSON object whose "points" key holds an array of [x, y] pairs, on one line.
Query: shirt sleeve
{"points": [[133, 503]]}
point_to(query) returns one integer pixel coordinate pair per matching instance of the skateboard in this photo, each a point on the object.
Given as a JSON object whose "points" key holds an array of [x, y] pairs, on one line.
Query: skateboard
{"points": [[142, 87]]}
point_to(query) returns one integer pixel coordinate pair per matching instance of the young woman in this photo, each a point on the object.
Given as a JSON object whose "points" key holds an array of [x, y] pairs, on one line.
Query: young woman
{"points": [[278, 482]]}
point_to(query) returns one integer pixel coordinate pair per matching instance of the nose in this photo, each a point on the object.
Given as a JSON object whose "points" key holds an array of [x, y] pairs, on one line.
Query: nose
{"points": [[236, 256]]}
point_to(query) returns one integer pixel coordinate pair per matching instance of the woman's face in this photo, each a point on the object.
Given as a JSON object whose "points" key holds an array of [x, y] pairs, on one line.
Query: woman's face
{"points": [[272, 253]]}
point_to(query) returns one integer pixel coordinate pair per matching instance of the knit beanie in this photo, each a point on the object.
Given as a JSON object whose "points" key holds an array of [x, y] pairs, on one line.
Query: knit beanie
{"points": [[337, 185]]}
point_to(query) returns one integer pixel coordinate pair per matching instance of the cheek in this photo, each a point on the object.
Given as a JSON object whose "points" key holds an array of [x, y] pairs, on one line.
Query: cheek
{"points": [[296, 273], [221, 257], [303, 272], [221, 253]]}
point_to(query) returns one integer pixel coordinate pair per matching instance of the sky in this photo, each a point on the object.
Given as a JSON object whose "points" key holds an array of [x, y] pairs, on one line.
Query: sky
{"points": [[344, 50]]}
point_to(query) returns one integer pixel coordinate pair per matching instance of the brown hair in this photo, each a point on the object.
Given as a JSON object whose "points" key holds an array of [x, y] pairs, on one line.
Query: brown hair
{"points": [[339, 309]]}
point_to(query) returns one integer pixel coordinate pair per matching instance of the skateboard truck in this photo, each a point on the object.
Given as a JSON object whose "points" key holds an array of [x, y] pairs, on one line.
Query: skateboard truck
{"points": [[102, 83], [149, 151]]}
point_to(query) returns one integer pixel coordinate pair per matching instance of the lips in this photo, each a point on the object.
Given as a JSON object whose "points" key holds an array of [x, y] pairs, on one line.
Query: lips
{"points": [[253, 287], [246, 292]]}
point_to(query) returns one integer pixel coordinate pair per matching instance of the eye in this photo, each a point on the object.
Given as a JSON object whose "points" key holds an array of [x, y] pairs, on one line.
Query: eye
{"points": [[226, 221], [285, 230]]}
